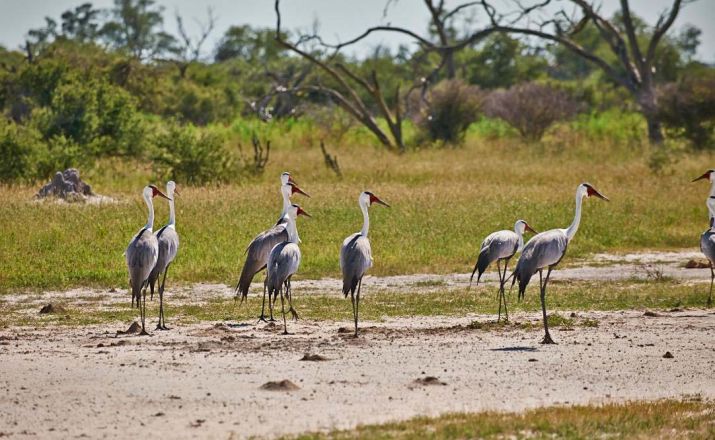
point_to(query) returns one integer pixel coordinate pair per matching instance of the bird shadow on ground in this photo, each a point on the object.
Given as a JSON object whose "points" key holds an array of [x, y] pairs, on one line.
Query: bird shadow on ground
{"points": [[517, 348]]}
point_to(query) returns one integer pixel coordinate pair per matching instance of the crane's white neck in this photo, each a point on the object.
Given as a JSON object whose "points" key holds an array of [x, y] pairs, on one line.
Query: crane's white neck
{"points": [[150, 206], [520, 236], [571, 230], [292, 229], [711, 208], [712, 187], [365, 218], [172, 212], [286, 191]]}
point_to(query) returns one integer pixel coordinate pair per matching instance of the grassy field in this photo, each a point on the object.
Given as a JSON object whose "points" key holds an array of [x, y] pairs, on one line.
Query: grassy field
{"points": [[181, 307], [664, 419], [443, 204]]}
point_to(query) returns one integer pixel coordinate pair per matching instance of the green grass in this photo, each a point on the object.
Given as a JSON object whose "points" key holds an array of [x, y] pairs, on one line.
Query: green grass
{"points": [[662, 419], [444, 202], [384, 304]]}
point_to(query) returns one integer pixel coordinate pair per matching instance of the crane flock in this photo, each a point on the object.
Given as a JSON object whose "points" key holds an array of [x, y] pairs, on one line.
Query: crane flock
{"points": [[277, 250]]}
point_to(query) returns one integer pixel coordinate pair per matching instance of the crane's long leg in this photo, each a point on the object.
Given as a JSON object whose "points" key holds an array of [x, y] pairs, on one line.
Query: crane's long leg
{"points": [[290, 299], [357, 306], [547, 337], [272, 305], [263, 306], [143, 314], [352, 300], [501, 283], [162, 321], [712, 278], [151, 291], [503, 295], [283, 310]]}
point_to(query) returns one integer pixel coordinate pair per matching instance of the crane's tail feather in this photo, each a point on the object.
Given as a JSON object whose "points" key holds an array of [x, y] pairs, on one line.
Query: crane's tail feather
{"points": [[471, 278], [244, 281], [349, 286]]}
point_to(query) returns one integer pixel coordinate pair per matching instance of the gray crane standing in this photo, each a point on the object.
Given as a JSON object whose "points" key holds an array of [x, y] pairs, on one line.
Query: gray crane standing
{"points": [[500, 246], [545, 250], [356, 255], [283, 263], [260, 247], [707, 239], [142, 253], [168, 240]]}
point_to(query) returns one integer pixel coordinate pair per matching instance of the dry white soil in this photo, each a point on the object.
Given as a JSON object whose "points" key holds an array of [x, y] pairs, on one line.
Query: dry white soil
{"points": [[204, 380]]}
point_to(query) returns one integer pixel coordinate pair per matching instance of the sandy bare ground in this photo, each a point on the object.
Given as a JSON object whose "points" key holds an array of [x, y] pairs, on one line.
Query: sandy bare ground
{"points": [[204, 380]]}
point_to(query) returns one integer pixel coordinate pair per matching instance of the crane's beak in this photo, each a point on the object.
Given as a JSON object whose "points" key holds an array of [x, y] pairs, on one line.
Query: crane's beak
{"points": [[157, 192], [375, 199], [704, 176], [296, 189], [301, 212], [530, 229], [594, 192]]}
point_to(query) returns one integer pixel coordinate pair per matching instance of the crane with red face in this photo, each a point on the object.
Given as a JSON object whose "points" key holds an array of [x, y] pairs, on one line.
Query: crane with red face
{"points": [[356, 255], [546, 250]]}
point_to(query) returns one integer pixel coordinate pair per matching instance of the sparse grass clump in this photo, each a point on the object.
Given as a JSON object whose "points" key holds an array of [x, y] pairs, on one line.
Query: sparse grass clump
{"points": [[380, 304], [662, 419]]}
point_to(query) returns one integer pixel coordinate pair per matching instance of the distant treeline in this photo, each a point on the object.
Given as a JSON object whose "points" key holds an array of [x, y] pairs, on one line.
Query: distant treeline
{"points": [[111, 83]]}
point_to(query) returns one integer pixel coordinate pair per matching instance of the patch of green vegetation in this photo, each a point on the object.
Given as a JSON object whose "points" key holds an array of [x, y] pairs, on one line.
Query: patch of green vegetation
{"points": [[380, 304], [662, 419], [429, 283], [443, 205]]}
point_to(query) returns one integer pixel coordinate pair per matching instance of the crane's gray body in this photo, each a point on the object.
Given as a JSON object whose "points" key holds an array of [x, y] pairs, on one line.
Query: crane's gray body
{"points": [[168, 241], [355, 260], [141, 255], [497, 246], [258, 252], [543, 250], [283, 262]]}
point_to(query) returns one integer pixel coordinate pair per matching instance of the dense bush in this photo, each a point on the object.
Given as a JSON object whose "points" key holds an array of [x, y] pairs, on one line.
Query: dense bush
{"points": [[531, 108], [92, 113], [192, 156], [453, 106], [687, 108], [19, 147]]}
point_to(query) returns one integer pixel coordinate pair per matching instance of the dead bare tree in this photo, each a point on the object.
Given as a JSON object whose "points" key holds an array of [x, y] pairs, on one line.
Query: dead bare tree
{"points": [[634, 65], [189, 49], [331, 161], [344, 93]]}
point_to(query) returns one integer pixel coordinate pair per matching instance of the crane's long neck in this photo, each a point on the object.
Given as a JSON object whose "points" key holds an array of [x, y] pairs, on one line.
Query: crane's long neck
{"points": [[292, 230], [150, 220], [286, 192], [172, 213], [520, 237], [711, 209], [571, 231], [365, 220]]}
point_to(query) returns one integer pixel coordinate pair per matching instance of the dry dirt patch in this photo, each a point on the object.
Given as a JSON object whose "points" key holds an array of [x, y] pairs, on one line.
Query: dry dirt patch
{"points": [[205, 379]]}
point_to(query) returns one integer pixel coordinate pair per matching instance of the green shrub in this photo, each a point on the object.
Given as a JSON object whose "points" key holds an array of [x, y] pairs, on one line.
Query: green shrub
{"points": [[198, 105], [58, 154], [687, 108], [94, 114], [192, 156], [19, 147]]}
